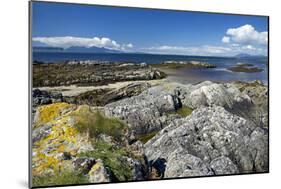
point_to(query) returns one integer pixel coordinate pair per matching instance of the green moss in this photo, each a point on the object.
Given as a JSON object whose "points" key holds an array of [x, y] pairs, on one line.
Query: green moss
{"points": [[184, 111], [147, 137], [94, 123], [60, 178], [113, 158]]}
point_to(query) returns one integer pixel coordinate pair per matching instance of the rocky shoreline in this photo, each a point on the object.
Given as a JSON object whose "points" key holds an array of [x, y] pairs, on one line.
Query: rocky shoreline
{"points": [[148, 129], [91, 73], [247, 68]]}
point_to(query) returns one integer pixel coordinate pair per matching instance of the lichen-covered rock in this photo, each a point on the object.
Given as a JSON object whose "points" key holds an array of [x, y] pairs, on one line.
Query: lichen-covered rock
{"points": [[48, 113], [207, 134], [70, 138], [145, 113], [99, 173], [54, 137]]}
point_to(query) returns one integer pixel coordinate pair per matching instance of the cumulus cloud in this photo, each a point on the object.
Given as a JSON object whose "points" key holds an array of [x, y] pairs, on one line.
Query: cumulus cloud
{"points": [[225, 39], [205, 50], [129, 45], [246, 35], [69, 41]]}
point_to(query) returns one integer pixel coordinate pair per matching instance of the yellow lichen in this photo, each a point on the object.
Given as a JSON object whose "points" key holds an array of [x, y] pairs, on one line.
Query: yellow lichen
{"points": [[63, 137], [47, 113], [95, 167], [67, 136]]}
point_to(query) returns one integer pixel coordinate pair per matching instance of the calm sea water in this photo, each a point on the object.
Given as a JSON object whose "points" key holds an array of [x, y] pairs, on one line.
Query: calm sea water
{"points": [[220, 74]]}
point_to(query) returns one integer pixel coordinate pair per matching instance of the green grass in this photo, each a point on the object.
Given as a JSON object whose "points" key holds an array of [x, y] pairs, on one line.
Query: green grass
{"points": [[147, 137], [184, 111], [94, 123], [112, 158], [62, 178]]}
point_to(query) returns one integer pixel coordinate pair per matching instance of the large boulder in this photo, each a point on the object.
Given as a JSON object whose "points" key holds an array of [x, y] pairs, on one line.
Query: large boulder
{"points": [[145, 113], [258, 92], [245, 99], [210, 141], [208, 94]]}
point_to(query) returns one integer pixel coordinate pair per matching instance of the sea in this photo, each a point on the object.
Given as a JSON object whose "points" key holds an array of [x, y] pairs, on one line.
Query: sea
{"points": [[185, 76]]}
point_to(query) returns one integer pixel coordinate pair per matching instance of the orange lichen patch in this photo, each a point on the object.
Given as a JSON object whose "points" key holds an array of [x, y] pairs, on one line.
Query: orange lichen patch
{"points": [[47, 113]]}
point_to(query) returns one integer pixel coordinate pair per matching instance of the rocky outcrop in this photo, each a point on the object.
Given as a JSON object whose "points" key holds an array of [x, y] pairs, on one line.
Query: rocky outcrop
{"points": [[43, 97], [101, 97], [248, 100], [146, 112], [81, 141], [258, 92], [247, 68], [173, 64], [141, 133], [91, 73], [93, 97], [208, 94], [210, 141]]}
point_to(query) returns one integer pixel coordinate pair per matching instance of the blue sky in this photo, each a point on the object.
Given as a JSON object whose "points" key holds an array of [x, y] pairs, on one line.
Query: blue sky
{"points": [[146, 30]]}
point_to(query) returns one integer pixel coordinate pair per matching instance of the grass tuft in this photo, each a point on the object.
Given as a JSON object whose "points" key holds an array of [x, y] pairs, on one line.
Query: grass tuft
{"points": [[147, 137], [184, 111], [60, 178], [94, 123], [113, 158]]}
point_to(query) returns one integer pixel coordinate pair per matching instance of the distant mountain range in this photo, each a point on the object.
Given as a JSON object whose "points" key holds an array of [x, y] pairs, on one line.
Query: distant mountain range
{"points": [[47, 49], [245, 55], [76, 49]]}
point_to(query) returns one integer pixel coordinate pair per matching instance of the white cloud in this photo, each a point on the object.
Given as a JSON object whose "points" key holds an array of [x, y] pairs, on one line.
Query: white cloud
{"points": [[250, 47], [130, 45], [206, 50], [246, 35], [225, 39], [69, 41]]}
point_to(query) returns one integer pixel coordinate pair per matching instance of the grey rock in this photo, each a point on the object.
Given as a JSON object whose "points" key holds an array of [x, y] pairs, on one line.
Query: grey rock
{"points": [[209, 94], [41, 97], [41, 132], [83, 165], [223, 165], [145, 113], [182, 164], [207, 134]]}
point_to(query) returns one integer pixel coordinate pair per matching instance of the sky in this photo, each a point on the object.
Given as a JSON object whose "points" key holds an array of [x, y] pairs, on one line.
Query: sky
{"points": [[148, 30]]}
